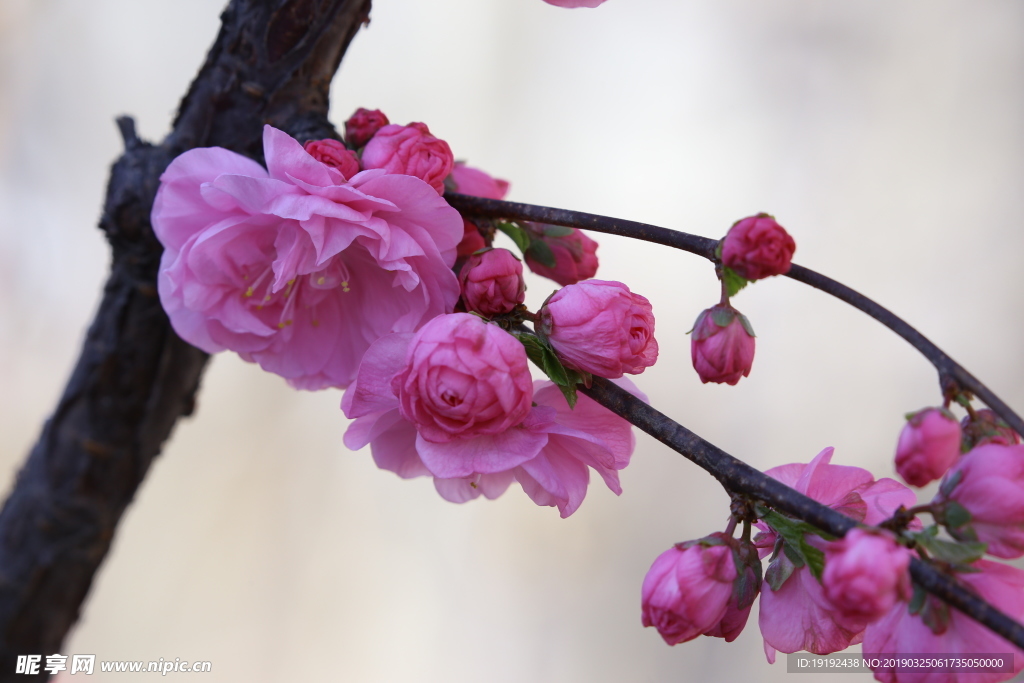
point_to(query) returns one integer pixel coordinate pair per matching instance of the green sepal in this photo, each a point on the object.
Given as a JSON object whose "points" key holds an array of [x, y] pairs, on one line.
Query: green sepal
{"points": [[556, 230], [734, 282], [540, 252], [516, 232], [723, 315], [795, 545], [540, 352], [950, 483], [958, 554], [955, 515], [917, 600], [746, 325], [779, 571]]}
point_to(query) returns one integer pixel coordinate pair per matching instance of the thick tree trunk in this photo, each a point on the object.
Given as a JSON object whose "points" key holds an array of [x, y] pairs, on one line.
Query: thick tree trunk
{"points": [[273, 62]]}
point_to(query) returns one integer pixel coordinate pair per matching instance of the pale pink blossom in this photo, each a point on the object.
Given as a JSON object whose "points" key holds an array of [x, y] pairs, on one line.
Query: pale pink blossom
{"points": [[798, 616], [758, 247], [295, 267], [928, 446], [575, 257], [548, 453], [686, 591], [334, 154], [492, 282], [363, 125], [410, 150], [988, 482], [473, 181], [722, 345], [905, 634], [601, 327], [866, 573], [574, 3]]}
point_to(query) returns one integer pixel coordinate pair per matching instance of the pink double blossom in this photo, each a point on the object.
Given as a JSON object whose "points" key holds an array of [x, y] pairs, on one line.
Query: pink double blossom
{"points": [[988, 482], [492, 282], [866, 573], [758, 247], [902, 633], [722, 345], [601, 327], [928, 446], [575, 258], [798, 616], [289, 265], [410, 150], [474, 422]]}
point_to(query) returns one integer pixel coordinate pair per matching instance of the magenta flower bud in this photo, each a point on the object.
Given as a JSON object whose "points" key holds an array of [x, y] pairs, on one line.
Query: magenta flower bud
{"points": [[988, 482], [363, 125], [410, 150], [722, 345], [334, 154], [575, 257], [866, 573], [492, 282], [463, 378], [929, 445], [986, 427], [744, 589], [687, 590], [757, 247], [601, 327]]}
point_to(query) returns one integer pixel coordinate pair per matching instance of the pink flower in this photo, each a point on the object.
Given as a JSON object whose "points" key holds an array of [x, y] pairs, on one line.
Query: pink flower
{"points": [[463, 378], [903, 633], [929, 444], [472, 240], [601, 327], [575, 257], [363, 125], [722, 345], [492, 282], [289, 267], [989, 483], [757, 247], [548, 452], [686, 591], [334, 154], [866, 573], [410, 150], [574, 3], [986, 427], [798, 616], [473, 181]]}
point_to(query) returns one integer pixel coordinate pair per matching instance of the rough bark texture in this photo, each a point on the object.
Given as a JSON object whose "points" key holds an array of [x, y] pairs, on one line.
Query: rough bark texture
{"points": [[272, 62]]}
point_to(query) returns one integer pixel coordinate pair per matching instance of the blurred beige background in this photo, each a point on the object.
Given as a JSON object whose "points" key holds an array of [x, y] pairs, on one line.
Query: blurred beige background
{"points": [[885, 135]]}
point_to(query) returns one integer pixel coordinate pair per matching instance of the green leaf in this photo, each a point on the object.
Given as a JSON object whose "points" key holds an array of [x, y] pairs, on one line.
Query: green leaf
{"points": [[556, 230], [734, 282], [516, 232], [794, 534], [540, 252], [955, 514], [539, 351], [951, 552]]}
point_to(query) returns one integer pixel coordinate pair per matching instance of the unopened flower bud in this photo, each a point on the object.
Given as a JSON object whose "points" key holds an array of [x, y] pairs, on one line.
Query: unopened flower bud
{"points": [[757, 247], [722, 345], [363, 125], [929, 445], [410, 150], [492, 282], [866, 573], [601, 327], [575, 257], [986, 427], [334, 154]]}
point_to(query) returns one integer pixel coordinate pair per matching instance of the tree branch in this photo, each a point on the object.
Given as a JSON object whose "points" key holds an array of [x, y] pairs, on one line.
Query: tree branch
{"points": [[272, 62], [952, 376]]}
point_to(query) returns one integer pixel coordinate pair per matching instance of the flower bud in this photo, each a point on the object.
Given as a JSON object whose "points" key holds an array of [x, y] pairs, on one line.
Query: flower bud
{"points": [[986, 427], [722, 345], [363, 125], [601, 327], [744, 589], [988, 482], [866, 573], [929, 445], [575, 257], [410, 150], [492, 282], [757, 247], [473, 181], [472, 240], [687, 590], [334, 154]]}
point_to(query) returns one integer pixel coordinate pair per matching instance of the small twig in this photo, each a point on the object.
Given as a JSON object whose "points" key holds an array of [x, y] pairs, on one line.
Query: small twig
{"points": [[949, 370]]}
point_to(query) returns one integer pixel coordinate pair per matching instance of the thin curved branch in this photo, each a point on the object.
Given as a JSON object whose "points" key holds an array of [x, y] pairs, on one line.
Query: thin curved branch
{"points": [[272, 62], [739, 477], [952, 375]]}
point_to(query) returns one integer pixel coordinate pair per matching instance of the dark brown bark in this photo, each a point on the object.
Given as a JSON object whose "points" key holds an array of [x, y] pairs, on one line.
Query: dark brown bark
{"points": [[272, 62]]}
